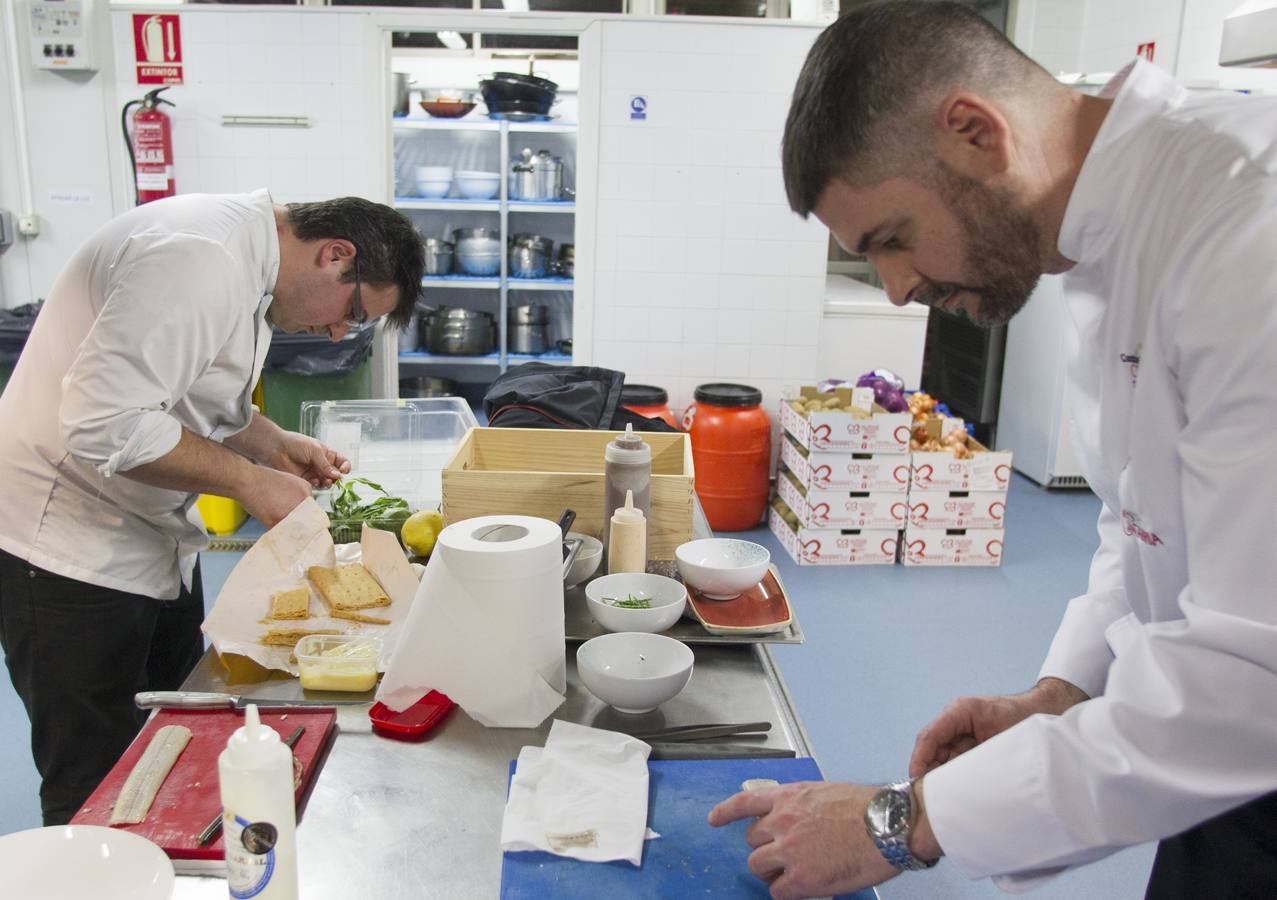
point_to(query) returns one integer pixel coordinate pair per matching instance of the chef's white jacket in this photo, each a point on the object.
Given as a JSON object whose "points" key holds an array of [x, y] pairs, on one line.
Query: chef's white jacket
{"points": [[1173, 380], [157, 322]]}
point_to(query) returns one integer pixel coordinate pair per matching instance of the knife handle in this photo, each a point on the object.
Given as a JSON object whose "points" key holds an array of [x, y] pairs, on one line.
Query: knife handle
{"points": [[183, 700]]}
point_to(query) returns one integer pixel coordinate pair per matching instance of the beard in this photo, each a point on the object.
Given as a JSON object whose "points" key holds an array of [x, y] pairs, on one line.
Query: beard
{"points": [[1000, 244]]}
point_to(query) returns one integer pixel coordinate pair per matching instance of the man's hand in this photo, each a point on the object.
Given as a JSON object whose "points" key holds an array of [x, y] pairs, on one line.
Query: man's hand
{"points": [[309, 459], [809, 838], [969, 721], [271, 495]]}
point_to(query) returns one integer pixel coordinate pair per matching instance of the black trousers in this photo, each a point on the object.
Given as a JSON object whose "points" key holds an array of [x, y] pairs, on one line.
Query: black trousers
{"points": [[77, 653], [1229, 857]]}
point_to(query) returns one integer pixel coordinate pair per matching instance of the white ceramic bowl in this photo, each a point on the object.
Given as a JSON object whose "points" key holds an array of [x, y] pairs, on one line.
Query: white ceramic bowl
{"points": [[433, 173], [433, 188], [67, 862], [478, 185], [633, 671], [667, 597], [720, 568], [587, 559]]}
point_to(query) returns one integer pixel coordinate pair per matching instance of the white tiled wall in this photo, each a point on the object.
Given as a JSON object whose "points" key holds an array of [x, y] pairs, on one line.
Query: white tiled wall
{"points": [[298, 62], [702, 272], [1095, 36]]}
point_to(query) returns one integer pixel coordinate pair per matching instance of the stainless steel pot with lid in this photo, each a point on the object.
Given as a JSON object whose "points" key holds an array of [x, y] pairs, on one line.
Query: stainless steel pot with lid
{"points": [[438, 255], [530, 256], [531, 314], [402, 98], [536, 176], [478, 251], [457, 331]]}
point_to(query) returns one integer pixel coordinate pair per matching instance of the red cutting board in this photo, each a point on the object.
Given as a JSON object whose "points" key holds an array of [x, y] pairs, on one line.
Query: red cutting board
{"points": [[763, 609], [189, 799]]}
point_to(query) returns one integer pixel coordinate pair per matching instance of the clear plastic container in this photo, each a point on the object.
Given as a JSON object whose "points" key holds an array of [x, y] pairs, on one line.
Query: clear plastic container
{"points": [[335, 662], [401, 445]]}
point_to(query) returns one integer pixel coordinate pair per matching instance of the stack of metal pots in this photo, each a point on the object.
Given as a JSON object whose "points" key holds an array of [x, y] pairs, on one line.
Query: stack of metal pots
{"points": [[530, 256], [455, 331], [529, 329]]}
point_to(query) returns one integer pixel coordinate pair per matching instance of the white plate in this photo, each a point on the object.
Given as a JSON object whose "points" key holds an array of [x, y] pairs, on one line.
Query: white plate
{"points": [[77, 861]]}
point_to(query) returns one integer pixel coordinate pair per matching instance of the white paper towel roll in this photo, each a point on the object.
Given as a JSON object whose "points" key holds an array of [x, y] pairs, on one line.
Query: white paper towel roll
{"points": [[486, 627]]}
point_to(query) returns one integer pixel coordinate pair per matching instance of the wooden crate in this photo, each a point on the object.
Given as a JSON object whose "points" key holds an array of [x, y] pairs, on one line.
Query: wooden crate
{"points": [[542, 471]]}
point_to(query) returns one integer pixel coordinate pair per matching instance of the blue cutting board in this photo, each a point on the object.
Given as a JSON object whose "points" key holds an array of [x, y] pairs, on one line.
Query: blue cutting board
{"points": [[689, 858]]}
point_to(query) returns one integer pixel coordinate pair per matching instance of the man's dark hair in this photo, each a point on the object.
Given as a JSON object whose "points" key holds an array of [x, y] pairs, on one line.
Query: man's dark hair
{"points": [[387, 246], [858, 112]]}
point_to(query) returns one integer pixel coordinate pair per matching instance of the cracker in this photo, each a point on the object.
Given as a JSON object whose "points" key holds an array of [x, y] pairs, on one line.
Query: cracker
{"points": [[347, 588], [288, 637], [294, 604], [359, 617]]}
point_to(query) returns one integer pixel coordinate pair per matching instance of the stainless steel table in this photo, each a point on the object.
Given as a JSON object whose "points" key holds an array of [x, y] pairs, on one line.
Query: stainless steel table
{"points": [[390, 819]]}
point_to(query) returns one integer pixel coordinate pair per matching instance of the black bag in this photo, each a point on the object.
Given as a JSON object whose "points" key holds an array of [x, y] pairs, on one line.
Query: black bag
{"points": [[539, 395], [316, 354]]}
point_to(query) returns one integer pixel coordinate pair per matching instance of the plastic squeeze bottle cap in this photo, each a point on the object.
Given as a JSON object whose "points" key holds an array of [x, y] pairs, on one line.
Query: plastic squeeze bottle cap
{"points": [[253, 744], [628, 447], [629, 513]]}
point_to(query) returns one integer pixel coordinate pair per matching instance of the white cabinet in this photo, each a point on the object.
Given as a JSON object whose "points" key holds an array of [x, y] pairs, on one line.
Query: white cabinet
{"points": [[478, 143]]}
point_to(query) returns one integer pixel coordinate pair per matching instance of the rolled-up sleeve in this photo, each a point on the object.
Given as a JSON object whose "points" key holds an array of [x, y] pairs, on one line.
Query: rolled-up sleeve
{"points": [[168, 308]]}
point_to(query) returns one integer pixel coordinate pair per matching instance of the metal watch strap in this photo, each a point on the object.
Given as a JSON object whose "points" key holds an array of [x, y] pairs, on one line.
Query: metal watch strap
{"points": [[895, 849]]}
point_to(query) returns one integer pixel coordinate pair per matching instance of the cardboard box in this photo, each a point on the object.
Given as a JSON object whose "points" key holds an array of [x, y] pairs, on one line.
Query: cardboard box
{"points": [[842, 509], [957, 509], [542, 471], [951, 547], [886, 473], [845, 430], [985, 470], [832, 547]]}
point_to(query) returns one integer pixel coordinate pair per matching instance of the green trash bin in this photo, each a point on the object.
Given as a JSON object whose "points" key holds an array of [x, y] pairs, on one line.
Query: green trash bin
{"points": [[311, 367]]}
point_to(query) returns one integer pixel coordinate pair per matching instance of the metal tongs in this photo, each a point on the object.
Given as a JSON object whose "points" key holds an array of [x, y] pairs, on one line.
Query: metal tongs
{"points": [[702, 732]]}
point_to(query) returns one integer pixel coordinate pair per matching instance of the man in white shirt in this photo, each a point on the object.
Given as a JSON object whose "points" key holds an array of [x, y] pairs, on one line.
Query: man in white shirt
{"points": [[131, 397], [922, 138]]}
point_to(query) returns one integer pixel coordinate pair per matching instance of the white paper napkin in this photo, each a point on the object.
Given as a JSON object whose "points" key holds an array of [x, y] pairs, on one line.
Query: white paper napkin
{"points": [[584, 795]]}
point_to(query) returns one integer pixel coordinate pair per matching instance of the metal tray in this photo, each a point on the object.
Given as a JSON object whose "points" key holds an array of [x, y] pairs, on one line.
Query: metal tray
{"points": [[579, 625]]}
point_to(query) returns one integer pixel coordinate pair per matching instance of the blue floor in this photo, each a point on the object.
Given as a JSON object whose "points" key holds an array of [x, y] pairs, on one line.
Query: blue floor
{"points": [[887, 647]]}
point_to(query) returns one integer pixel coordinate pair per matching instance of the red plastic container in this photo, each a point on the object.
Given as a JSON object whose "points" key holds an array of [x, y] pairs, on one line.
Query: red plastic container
{"points": [[412, 723], [731, 449], [649, 401]]}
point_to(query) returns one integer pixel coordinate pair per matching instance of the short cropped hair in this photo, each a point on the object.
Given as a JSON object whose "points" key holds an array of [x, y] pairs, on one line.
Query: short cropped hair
{"points": [[386, 245], [858, 113]]}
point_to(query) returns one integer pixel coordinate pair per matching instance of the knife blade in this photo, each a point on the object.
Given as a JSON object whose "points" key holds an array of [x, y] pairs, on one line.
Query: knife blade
{"points": [[700, 732], [694, 750], [210, 700]]}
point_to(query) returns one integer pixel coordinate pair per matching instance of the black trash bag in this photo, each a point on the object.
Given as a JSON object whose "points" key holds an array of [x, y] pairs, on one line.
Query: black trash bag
{"points": [[539, 395], [315, 354], [15, 327]]}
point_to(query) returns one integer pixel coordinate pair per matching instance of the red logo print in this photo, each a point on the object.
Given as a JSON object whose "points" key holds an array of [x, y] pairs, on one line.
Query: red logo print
{"points": [[1131, 526]]}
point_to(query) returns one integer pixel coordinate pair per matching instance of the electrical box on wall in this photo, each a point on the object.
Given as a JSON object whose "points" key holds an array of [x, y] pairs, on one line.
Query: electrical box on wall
{"points": [[60, 37]]}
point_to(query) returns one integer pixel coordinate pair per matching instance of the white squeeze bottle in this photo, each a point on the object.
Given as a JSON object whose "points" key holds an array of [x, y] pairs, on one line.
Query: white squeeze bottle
{"points": [[627, 466], [259, 823], [627, 551]]}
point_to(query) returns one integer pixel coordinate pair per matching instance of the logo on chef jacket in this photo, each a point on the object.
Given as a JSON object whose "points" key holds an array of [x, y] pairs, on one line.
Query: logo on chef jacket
{"points": [[638, 108], [1132, 362], [1131, 526]]}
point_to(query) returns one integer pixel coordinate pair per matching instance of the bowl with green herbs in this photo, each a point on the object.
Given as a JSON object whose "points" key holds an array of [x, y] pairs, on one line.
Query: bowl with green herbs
{"points": [[355, 502], [636, 601]]}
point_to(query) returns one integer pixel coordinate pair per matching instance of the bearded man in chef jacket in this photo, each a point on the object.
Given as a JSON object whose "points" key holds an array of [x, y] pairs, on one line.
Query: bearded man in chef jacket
{"points": [[925, 140], [131, 397]]}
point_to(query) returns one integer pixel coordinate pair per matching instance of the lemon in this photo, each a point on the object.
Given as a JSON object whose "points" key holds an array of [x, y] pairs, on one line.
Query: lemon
{"points": [[420, 530]]}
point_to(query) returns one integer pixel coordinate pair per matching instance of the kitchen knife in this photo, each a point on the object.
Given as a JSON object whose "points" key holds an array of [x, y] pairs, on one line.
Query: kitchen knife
{"points": [[694, 750], [700, 732], [206, 700]]}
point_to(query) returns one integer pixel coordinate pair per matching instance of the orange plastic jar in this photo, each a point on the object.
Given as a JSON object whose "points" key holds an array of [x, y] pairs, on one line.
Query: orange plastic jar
{"points": [[648, 401], [731, 449]]}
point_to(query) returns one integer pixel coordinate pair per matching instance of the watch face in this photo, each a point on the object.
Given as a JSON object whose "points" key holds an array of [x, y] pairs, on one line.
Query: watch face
{"points": [[888, 813]]}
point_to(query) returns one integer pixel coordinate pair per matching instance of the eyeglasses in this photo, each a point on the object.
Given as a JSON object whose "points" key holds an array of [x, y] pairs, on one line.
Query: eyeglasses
{"points": [[358, 315]]}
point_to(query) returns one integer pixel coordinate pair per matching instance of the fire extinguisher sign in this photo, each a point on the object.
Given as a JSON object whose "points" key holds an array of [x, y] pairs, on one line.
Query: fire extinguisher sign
{"points": [[157, 47]]}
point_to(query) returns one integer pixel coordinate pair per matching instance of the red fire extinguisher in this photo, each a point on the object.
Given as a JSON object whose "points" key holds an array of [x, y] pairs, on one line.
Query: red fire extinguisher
{"points": [[150, 143]]}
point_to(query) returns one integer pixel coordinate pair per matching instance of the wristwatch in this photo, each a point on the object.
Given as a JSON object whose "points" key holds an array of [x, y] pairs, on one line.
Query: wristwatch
{"points": [[889, 821]]}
